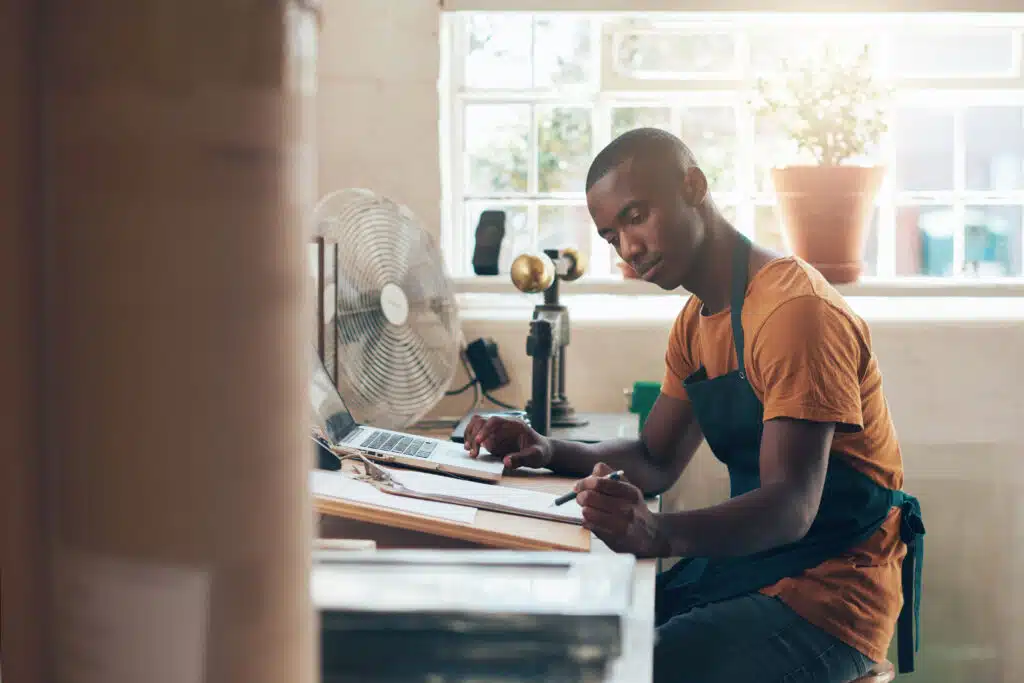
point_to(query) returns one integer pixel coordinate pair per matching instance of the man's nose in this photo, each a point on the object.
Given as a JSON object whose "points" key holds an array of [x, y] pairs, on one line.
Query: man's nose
{"points": [[630, 249]]}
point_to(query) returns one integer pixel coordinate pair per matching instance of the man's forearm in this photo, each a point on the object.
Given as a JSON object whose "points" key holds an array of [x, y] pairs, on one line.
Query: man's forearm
{"points": [[574, 459], [762, 519]]}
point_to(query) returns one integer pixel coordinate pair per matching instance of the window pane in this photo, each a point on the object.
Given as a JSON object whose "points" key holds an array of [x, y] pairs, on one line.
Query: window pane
{"points": [[769, 48], [871, 246], [952, 54], [771, 148], [499, 51], [560, 226], [518, 236], [992, 241], [768, 229], [650, 54], [994, 141], [628, 118], [561, 52], [497, 148], [924, 149], [564, 148], [711, 133], [729, 213], [924, 240]]}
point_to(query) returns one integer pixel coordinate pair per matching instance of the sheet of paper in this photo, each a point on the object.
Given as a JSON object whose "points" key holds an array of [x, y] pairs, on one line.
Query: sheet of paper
{"points": [[340, 487], [516, 498]]}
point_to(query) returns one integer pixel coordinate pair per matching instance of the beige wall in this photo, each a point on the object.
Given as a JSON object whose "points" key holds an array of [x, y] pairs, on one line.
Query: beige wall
{"points": [[954, 388]]}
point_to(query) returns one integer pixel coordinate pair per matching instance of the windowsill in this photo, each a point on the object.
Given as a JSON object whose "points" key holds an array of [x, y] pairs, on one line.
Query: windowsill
{"points": [[632, 303], [911, 287]]}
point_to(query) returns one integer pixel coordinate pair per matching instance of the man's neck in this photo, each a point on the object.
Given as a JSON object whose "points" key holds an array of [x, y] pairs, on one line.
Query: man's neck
{"points": [[712, 276]]}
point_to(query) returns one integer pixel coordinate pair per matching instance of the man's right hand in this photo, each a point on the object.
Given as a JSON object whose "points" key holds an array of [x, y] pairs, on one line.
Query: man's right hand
{"points": [[514, 441]]}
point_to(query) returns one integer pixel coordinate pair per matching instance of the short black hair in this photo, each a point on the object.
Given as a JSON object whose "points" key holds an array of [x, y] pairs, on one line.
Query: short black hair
{"points": [[633, 142]]}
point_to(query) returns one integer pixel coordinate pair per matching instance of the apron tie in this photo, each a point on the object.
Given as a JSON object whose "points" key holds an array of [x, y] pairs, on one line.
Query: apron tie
{"points": [[908, 636]]}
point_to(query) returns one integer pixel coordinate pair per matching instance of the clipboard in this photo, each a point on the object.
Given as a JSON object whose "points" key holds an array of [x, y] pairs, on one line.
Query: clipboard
{"points": [[489, 528], [518, 501], [482, 505]]}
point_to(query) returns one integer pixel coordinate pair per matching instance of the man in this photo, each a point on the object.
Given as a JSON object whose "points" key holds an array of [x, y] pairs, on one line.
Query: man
{"points": [[798, 575]]}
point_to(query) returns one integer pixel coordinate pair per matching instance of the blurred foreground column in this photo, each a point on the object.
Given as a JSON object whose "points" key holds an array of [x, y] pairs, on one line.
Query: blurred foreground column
{"points": [[23, 564], [177, 179]]}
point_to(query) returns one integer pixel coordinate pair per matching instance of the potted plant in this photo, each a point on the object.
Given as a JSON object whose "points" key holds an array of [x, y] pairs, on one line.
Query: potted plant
{"points": [[833, 112]]}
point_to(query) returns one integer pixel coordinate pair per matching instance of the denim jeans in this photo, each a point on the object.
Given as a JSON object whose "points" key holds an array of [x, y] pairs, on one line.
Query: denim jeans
{"points": [[747, 639]]}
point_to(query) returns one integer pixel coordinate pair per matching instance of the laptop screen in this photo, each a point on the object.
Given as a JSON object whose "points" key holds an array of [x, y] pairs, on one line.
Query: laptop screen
{"points": [[329, 411]]}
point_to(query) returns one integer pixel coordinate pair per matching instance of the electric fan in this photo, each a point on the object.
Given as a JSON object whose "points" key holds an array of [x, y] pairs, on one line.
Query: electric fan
{"points": [[398, 332]]}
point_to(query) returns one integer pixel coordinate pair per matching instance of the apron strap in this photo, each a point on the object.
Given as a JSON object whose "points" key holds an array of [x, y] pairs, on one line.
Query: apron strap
{"points": [[737, 292], [908, 625]]}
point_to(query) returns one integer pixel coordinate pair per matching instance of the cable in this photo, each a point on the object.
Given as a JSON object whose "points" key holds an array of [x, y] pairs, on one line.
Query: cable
{"points": [[498, 402], [473, 381], [474, 384], [468, 385]]}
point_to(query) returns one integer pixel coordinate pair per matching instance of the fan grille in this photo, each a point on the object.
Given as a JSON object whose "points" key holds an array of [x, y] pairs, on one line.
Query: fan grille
{"points": [[397, 319]]}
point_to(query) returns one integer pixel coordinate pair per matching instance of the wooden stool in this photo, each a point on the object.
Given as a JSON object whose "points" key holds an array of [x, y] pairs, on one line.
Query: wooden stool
{"points": [[883, 672]]}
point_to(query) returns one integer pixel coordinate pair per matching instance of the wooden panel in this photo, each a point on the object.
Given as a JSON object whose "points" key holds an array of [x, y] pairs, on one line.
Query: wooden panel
{"points": [[22, 458], [177, 194]]}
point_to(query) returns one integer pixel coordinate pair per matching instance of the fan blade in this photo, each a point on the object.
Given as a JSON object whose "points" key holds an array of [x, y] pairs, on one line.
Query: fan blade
{"points": [[385, 243], [413, 253]]}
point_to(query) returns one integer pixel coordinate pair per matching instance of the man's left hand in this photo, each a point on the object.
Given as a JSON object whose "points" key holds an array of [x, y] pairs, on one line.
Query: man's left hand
{"points": [[616, 512]]}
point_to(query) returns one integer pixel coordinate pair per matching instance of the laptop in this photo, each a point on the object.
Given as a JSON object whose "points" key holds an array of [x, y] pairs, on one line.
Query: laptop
{"points": [[388, 447]]}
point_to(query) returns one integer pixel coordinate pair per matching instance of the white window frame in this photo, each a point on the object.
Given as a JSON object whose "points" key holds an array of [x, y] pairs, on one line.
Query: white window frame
{"points": [[614, 88]]}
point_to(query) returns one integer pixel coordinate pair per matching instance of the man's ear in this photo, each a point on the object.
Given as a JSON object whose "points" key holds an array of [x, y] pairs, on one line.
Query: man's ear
{"points": [[695, 186]]}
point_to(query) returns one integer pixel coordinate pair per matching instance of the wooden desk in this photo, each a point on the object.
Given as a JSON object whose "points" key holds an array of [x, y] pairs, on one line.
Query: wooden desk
{"points": [[635, 666]]}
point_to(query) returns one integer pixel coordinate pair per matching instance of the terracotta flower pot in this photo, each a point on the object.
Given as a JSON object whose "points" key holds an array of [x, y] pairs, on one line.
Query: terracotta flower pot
{"points": [[825, 213]]}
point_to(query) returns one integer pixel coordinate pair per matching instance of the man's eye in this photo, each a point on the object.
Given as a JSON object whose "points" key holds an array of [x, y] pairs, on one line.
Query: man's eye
{"points": [[636, 217]]}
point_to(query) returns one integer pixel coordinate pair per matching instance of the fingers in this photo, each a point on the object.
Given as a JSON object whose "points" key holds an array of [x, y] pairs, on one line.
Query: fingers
{"points": [[528, 457], [610, 487], [600, 470], [478, 432], [488, 433], [598, 501], [469, 436], [605, 523], [498, 435]]}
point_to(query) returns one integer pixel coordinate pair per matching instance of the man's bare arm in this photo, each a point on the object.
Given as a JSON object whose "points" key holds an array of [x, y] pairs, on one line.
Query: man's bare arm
{"points": [[794, 459], [653, 462]]}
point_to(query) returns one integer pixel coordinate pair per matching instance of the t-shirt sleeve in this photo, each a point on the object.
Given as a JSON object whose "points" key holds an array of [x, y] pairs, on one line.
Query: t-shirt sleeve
{"points": [[678, 357], [807, 357]]}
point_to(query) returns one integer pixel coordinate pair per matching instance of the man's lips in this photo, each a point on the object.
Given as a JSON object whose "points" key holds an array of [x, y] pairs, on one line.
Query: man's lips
{"points": [[647, 271]]}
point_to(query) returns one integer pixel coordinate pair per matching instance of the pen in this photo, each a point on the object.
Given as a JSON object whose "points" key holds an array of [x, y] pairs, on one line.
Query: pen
{"points": [[566, 497]]}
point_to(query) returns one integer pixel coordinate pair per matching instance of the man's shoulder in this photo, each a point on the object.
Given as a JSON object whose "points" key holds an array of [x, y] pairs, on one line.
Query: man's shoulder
{"points": [[689, 313], [790, 282]]}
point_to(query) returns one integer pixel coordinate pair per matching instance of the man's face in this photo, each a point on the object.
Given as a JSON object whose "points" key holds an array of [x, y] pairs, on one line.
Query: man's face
{"points": [[647, 212]]}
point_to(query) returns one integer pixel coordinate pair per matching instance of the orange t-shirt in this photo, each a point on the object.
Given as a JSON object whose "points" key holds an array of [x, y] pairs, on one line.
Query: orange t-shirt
{"points": [[808, 356]]}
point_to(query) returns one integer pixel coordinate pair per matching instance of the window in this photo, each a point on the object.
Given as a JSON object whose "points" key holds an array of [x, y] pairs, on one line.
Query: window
{"points": [[529, 99]]}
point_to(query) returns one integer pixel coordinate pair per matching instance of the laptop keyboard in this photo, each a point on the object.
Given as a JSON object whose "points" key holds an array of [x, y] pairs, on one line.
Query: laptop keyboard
{"points": [[400, 444]]}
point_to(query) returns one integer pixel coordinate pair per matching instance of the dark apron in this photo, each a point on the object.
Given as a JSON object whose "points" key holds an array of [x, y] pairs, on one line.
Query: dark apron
{"points": [[852, 508]]}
